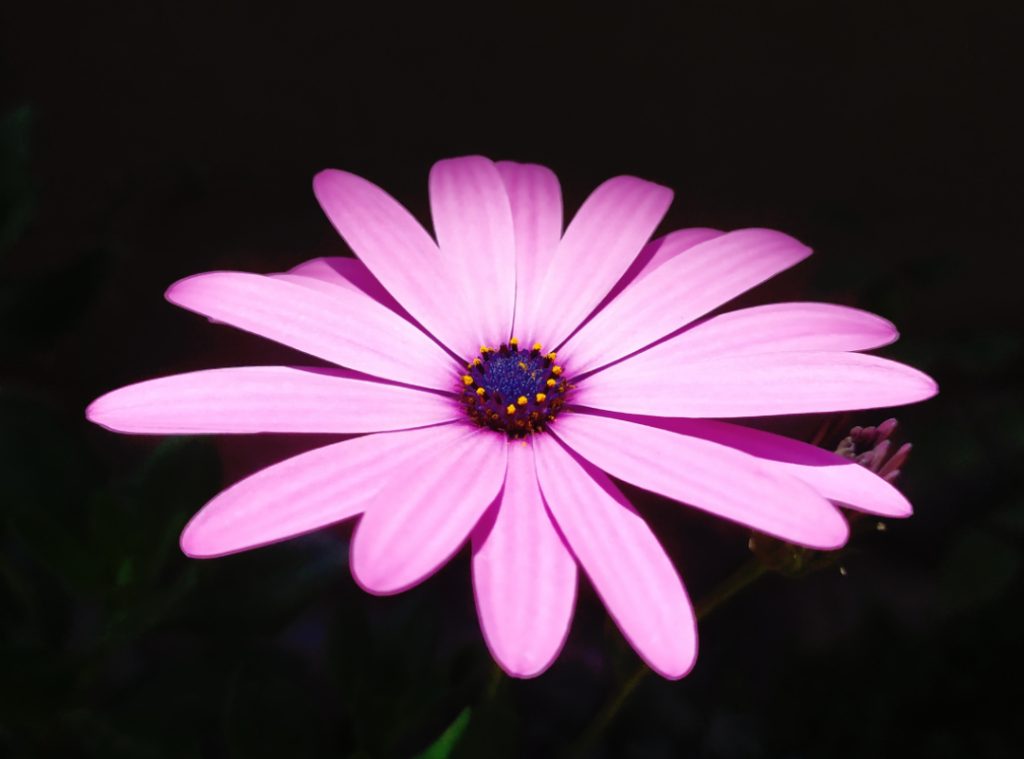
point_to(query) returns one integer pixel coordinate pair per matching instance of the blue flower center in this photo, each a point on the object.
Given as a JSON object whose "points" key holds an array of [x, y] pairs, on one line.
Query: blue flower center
{"points": [[517, 392]]}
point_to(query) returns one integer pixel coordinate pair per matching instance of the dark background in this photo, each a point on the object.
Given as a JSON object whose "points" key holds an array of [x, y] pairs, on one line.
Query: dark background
{"points": [[142, 142]]}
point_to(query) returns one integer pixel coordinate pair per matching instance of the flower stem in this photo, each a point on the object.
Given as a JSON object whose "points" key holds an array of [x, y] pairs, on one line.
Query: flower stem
{"points": [[748, 573]]}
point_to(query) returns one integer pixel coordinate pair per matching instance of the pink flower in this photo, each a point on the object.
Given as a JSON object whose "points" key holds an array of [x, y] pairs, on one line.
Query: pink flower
{"points": [[472, 434]]}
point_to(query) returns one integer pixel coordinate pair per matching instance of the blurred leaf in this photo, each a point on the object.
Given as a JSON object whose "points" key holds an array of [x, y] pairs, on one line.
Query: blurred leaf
{"points": [[495, 731], [17, 193], [442, 748], [1010, 517], [272, 712], [266, 588], [37, 310], [43, 479]]}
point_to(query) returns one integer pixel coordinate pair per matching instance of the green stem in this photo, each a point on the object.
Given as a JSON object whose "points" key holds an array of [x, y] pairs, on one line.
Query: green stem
{"points": [[746, 575]]}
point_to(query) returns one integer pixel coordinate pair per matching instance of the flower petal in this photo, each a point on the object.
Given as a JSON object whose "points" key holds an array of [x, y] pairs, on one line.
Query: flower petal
{"points": [[396, 249], [302, 494], [657, 252], [346, 327], [254, 399], [712, 477], [523, 575], [675, 243], [326, 273], [778, 328], [420, 518], [536, 201], [685, 288], [599, 244], [473, 224], [769, 384], [622, 557], [832, 476]]}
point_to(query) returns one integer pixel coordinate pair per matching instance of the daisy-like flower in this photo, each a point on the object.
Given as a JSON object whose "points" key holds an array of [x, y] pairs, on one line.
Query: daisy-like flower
{"points": [[501, 375]]}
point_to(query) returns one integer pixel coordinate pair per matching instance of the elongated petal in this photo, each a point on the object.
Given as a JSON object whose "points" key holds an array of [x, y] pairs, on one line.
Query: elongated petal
{"points": [[601, 241], [254, 399], [676, 243], [710, 476], [834, 477], [346, 328], [326, 273], [657, 252], [473, 224], [686, 287], [524, 577], [302, 494], [777, 328], [422, 517], [396, 249], [753, 385], [536, 201], [622, 557]]}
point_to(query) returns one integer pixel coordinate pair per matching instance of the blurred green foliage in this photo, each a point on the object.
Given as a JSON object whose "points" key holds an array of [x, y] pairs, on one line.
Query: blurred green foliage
{"points": [[17, 188]]}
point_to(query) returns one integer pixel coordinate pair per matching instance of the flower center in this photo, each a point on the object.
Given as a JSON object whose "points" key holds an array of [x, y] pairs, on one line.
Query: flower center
{"points": [[514, 391]]}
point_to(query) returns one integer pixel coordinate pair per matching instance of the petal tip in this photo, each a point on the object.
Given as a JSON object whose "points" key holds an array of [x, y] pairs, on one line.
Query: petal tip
{"points": [[180, 291], [374, 577], [326, 178], [94, 412], [192, 543], [677, 665], [104, 413], [376, 584], [833, 534], [526, 667]]}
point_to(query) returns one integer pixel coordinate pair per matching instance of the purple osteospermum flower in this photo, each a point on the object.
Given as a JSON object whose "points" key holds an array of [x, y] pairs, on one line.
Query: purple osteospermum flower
{"points": [[471, 433]]}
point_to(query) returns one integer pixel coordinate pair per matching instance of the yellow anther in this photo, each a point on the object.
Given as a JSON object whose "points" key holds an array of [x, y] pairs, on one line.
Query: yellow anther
{"points": [[522, 366], [510, 409], [536, 347], [541, 397], [476, 362], [467, 379], [514, 341], [480, 391], [551, 356], [522, 400], [551, 383], [485, 349], [556, 370]]}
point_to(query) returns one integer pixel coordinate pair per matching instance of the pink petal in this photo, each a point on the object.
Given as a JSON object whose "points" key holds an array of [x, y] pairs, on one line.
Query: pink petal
{"points": [[657, 252], [268, 399], [675, 243], [421, 517], [327, 273], [622, 557], [710, 476], [473, 224], [523, 574], [752, 385], [346, 327], [777, 328], [834, 477], [685, 288], [397, 250], [302, 494], [598, 246], [536, 200]]}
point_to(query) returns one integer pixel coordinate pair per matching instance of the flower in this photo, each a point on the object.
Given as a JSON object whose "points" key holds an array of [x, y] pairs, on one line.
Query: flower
{"points": [[502, 375]]}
